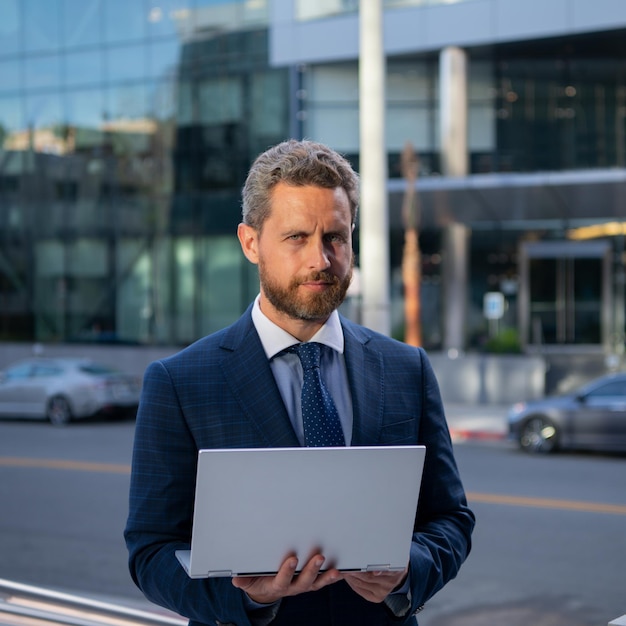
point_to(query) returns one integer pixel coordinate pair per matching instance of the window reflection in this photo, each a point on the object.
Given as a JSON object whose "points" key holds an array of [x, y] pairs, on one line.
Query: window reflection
{"points": [[124, 21], [44, 115], [10, 27], [11, 119], [84, 68], [127, 102], [126, 62], [163, 58], [11, 72], [84, 113], [82, 21], [42, 71], [168, 17], [41, 25]]}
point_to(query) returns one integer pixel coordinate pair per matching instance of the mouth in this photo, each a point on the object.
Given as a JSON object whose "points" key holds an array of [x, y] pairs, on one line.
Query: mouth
{"points": [[319, 283], [316, 285]]}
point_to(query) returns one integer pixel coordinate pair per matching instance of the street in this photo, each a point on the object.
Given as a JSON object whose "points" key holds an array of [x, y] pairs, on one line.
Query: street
{"points": [[549, 546]]}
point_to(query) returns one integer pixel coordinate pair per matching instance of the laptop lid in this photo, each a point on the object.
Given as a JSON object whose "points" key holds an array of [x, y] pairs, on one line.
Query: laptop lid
{"points": [[255, 507]]}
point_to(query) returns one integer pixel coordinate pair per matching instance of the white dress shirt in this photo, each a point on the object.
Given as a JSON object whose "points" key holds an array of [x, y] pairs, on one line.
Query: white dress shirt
{"points": [[287, 368]]}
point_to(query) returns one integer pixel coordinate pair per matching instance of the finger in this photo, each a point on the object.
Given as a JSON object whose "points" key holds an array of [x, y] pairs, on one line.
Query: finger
{"points": [[309, 573], [267, 589]]}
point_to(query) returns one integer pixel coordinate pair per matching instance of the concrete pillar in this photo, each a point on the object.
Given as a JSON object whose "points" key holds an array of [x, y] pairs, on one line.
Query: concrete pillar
{"points": [[374, 219], [454, 281], [454, 162], [453, 111]]}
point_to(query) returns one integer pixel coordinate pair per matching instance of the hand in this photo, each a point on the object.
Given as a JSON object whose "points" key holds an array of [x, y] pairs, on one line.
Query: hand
{"points": [[375, 586], [268, 589]]}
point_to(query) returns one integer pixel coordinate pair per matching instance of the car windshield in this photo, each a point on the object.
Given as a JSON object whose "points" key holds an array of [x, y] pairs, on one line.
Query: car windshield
{"points": [[19, 371], [613, 388]]}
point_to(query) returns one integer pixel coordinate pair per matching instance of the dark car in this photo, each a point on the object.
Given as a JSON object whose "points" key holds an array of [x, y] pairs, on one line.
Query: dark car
{"points": [[66, 389], [592, 417]]}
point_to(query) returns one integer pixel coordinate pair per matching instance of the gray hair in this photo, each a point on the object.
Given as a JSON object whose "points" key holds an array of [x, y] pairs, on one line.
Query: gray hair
{"points": [[296, 163]]}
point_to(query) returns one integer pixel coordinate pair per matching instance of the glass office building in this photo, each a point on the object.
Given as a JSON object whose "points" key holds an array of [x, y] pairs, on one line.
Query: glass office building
{"points": [[126, 130]]}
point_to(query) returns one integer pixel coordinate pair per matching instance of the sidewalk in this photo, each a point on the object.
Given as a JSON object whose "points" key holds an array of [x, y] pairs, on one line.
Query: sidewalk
{"points": [[485, 422]]}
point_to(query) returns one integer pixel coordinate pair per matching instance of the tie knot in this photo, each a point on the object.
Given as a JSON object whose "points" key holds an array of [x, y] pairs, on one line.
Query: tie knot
{"points": [[309, 354]]}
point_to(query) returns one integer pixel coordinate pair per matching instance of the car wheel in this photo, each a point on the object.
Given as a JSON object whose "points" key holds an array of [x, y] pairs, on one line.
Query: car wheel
{"points": [[59, 412], [539, 435]]}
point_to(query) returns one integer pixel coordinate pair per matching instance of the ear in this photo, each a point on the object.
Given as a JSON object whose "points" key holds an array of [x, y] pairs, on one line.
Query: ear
{"points": [[248, 238]]}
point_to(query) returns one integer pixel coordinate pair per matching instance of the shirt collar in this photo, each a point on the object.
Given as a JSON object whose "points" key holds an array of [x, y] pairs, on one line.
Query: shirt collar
{"points": [[275, 339]]}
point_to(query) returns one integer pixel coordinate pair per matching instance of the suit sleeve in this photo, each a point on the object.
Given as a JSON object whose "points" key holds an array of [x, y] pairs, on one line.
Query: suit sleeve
{"points": [[444, 522], [161, 510]]}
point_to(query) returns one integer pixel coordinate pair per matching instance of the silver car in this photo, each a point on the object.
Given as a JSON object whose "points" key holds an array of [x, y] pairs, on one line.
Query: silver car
{"points": [[66, 389], [592, 416]]}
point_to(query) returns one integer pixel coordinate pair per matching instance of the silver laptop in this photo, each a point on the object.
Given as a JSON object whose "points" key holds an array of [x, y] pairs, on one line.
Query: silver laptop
{"points": [[255, 507]]}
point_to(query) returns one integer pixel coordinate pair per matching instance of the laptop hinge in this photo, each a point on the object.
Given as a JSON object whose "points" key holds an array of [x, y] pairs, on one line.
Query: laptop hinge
{"points": [[220, 573], [377, 568]]}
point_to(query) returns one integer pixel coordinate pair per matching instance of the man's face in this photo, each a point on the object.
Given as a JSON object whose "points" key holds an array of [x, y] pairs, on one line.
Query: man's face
{"points": [[304, 253]]}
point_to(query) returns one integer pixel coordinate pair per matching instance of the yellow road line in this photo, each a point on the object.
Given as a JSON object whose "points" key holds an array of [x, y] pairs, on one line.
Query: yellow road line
{"points": [[485, 498], [86, 466], [548, 503]]}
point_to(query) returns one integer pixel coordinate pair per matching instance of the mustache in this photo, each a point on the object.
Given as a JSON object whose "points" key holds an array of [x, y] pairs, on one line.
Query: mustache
{"points": [[325, 277]]}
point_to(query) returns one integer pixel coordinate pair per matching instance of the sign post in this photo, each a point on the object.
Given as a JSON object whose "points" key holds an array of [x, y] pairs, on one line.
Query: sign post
{"points": [[493, 310]]}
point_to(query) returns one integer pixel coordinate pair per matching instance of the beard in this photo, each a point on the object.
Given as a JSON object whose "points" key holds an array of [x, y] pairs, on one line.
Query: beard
{"points": [[312, 308]]}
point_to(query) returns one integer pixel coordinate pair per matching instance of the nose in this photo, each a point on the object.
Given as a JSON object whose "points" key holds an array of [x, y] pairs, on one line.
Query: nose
{"points": [[319, 255]]}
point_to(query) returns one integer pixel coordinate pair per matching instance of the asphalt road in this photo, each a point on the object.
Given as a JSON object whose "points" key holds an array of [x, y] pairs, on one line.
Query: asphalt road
{"points": [[549, 547]]}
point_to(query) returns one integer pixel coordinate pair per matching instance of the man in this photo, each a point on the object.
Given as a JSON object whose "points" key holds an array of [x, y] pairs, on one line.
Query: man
{"points": [[240, 388]]}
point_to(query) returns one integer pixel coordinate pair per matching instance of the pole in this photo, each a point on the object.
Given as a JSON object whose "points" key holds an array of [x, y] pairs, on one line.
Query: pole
{"points": [[374, 220]]}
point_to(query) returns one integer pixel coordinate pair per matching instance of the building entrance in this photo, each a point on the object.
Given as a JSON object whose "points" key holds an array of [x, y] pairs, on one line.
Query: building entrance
{"points": [[565, 294]]}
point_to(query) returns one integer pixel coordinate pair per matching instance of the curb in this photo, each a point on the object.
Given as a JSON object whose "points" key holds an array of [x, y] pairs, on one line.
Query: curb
{"points": [[459, 435]]}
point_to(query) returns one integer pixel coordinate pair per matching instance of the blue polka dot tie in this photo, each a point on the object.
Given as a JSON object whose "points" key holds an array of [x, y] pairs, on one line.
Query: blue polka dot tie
{"points": [[319, 413]]}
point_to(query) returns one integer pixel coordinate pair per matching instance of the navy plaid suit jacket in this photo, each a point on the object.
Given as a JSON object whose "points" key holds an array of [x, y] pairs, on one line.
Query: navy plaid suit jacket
{"points": [[220, 392]]}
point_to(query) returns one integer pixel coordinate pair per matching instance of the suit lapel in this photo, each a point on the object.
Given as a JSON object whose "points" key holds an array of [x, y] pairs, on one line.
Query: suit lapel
{"points": [[365, 371], [249, 376]]}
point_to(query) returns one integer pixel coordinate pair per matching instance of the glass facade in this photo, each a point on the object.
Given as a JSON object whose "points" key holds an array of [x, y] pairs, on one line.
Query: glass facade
{"points": [[126, 130], [307, 10], [549, 106]]}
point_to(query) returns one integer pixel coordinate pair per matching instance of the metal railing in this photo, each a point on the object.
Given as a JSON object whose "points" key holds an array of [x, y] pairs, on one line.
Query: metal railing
{"points": [[27, 605]]}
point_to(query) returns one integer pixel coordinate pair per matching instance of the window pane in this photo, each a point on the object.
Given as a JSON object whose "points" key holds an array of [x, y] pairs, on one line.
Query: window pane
{"points": [[408, 123], [41, 25], [220, 101], [85, 109], [42, 71], [82, 21], [134, 312], [185, 104], [269, 105], [83, 68], [163, 100], [49, 258], [84, 114], [9, 27], [166, 17], [43, 111], [185, 285], [126, 63], [164, 59], [127, 102], [161, 290], [338, 127], [124, 21], [11, 117], [221, 282], [10, 72], [87, 257]]}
